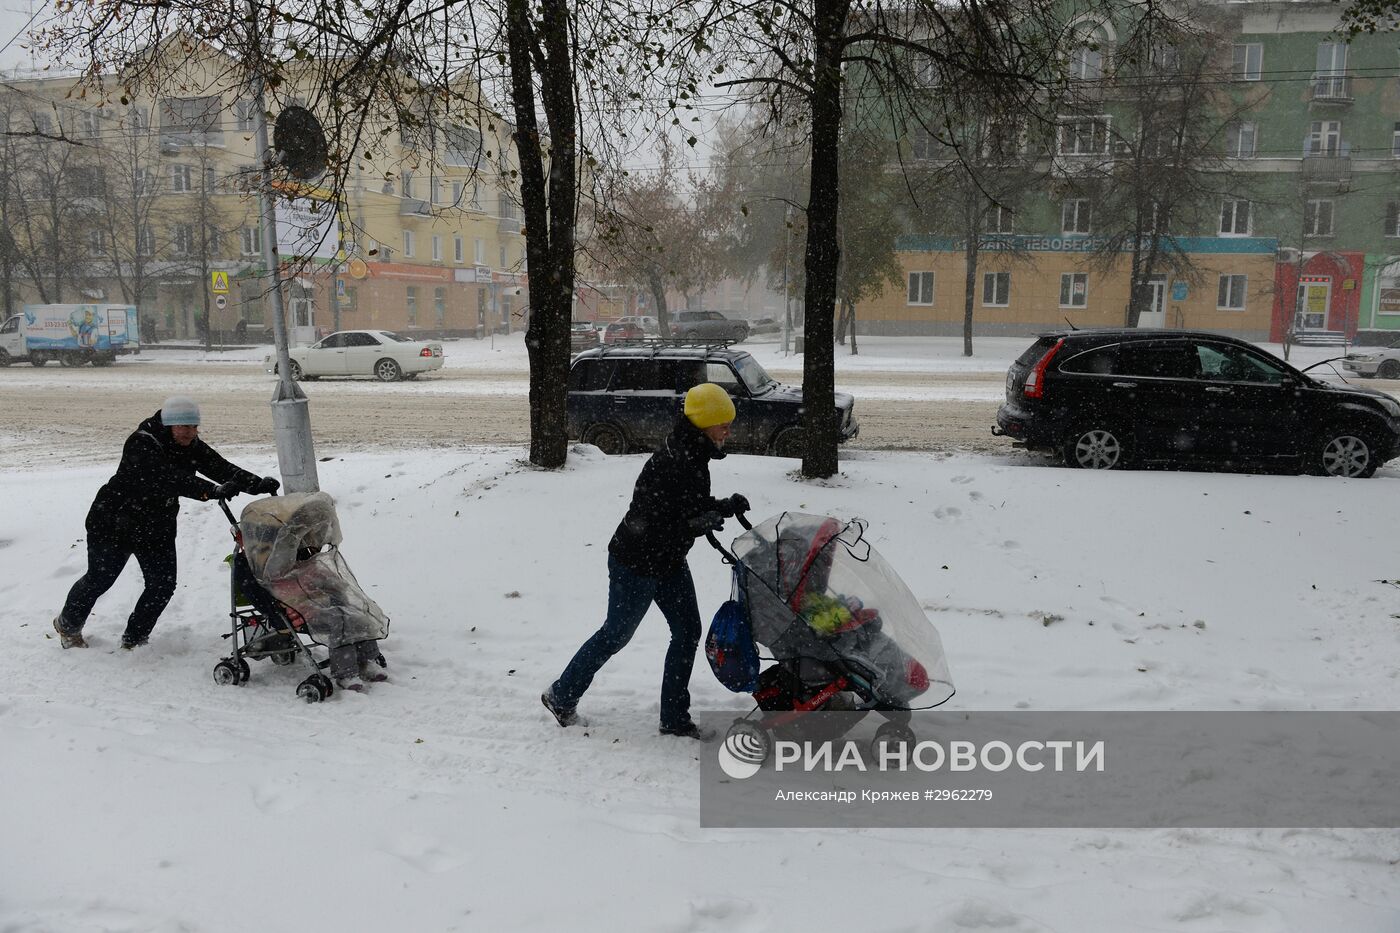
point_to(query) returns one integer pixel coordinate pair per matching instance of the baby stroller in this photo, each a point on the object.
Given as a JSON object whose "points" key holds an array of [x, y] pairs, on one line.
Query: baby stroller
{"points": [[290, 590], [843, 630]]}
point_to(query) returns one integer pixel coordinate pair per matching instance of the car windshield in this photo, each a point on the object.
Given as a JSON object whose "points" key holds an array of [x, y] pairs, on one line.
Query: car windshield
{"points": [[580, 325], [754, 375], [399, 338]]}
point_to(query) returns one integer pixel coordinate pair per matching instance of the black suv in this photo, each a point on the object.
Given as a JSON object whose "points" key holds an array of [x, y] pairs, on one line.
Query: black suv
{"points": [[708, 325], [1106, 398], [628, 398]]}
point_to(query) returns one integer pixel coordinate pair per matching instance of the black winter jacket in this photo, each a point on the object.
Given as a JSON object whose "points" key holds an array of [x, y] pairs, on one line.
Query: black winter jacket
{"points": [[155, 471], [674, 487]]}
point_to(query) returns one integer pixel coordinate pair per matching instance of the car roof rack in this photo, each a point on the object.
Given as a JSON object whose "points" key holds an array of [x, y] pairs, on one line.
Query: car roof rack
{"points": [[665, 343]]}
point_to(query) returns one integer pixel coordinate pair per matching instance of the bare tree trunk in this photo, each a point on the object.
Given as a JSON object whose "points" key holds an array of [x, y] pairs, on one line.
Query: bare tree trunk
{"points": [[850, 318], [823, 252], [657, 287], [970, 258], [549, 205]]}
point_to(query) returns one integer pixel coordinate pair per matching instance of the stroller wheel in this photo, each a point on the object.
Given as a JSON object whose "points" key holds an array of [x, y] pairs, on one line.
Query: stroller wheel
{"points": [[226, 673], [315, 688], [283, 658], [747, 746], [243, 671], [892, 735]]}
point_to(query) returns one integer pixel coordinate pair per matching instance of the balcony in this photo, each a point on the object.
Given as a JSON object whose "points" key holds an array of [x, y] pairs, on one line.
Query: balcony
{"points": [[1327, 169], [414, 207], [508, 225], [1331, 89]]}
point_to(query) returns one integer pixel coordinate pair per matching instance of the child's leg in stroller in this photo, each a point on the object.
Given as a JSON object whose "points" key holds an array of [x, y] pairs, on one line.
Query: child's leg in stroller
{"points": [[344, 665], [629, 596], [367, 654], [675, 595]]}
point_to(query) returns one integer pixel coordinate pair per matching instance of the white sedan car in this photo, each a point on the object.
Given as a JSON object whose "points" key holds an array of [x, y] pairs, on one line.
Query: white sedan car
{"points": [[380, 353], [1375, 361]]}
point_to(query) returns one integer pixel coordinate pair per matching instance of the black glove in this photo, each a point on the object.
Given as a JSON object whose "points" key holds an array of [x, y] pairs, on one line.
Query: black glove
{"points": [[735, 504], [706, 521], [267, 486], [226, 491]]}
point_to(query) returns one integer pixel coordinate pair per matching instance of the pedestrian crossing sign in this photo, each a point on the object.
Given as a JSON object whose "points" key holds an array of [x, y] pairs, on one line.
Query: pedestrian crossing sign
{"points": [[219, 283]]}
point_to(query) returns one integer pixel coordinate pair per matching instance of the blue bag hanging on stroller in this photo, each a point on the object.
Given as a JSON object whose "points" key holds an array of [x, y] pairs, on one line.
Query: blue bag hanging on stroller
{"points": [[730, 647]]}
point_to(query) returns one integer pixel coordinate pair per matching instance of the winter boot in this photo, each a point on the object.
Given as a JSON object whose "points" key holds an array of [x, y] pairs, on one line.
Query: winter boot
{"points": [[564, 715], [352, 683], [130, 642], [689, 730], [65, 638], [371, 674]]}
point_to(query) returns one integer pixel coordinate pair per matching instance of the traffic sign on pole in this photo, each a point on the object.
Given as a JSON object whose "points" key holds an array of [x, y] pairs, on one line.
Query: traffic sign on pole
{"points": [[221, 302], [218, 283]]}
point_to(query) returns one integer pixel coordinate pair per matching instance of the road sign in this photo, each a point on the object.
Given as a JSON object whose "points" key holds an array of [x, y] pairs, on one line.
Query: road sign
{"points": [[218, 283], [221, 302], [340, 288], [1179, 291]]}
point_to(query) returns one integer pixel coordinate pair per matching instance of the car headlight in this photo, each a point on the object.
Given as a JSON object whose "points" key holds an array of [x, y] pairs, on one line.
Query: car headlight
{"points": [[1362, 359]]}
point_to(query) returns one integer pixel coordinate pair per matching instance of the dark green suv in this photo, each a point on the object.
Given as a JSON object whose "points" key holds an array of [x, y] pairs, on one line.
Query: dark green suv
{"points": [[628, 398]]}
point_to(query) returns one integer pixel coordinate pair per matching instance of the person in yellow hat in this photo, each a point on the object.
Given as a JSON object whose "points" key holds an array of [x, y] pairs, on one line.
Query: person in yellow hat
{"points": [[671, 507]]}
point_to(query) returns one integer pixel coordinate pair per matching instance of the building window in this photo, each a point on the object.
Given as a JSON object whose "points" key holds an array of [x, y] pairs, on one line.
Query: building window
{"points": [[146, 242], [1395, 142], [922, 145], [437, 248], [211, 239], [463, 145], [1325, 138], [190, 115], [408, 244], [1241, 140], [1075, 216], [921, 288], [350, 301], [243, 115], [456, 194], [1392, 218], [1249, 61], [996, 289], [479, 251], [139, 118], [252, 241], [1388, 289], [1317, 218], [1331, 78], [407, 184], [1074, 289], [1232, 293], [459, 252], [1234, 218], [476, 198], [504, 263], [412, 301], [1000, 219], [182, 239], [440, 306], [1086, 63], [1084, 135], [89, 124], [97, 244], [180, 178]]}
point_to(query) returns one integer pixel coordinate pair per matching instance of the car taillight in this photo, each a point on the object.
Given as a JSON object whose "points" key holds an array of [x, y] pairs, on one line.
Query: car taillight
{"points": [[426, 351], [1035, 381]]}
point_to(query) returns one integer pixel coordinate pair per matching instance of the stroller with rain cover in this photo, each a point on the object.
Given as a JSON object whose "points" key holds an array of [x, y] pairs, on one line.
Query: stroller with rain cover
{"points": [[290, 589], [843, 630]]}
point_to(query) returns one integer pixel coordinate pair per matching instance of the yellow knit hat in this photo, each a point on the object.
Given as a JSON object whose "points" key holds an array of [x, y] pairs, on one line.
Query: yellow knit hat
{"points": [[707, 405]]}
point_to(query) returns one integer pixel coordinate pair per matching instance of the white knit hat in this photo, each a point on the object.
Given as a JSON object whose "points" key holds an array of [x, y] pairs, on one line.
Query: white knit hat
{"points": [[179, 409]]}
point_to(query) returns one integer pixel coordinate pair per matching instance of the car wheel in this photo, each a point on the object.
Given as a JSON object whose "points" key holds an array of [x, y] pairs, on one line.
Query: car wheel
{"points": [[386, 370], [607, 438], [4, 359], [296, 371], [789, 442], [1343, 452], [1390, 369], [1095, 448]]}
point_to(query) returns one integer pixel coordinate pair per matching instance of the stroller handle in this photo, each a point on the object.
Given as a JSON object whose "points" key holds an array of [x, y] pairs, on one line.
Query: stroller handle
{"points": [[714, 542]]}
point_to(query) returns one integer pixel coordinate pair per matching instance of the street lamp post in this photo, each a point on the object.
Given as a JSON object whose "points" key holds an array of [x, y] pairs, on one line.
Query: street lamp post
{"points": [[291, 415]]}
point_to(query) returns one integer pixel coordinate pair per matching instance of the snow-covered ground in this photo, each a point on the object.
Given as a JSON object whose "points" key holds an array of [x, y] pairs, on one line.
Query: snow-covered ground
{"points": [[140, 796]]}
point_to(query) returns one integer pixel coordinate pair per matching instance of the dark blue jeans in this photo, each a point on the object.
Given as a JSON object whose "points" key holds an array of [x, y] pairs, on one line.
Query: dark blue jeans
{"points": [[630, 595]]}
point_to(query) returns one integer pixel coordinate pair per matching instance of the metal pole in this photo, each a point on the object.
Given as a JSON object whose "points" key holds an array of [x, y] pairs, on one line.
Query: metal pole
{"points": [[291, 417]]}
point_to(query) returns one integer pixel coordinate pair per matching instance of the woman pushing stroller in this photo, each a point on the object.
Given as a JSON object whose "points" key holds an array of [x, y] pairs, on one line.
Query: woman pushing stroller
{"points": [[671, 507]]}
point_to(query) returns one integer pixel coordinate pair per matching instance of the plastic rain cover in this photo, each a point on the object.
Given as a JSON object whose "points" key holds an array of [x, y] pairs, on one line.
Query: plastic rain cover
{"points": [[816, 589], [280, 529]]}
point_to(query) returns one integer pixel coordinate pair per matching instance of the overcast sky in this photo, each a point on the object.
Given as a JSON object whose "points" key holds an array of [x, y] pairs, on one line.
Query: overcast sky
{"points": [[13, 16]]}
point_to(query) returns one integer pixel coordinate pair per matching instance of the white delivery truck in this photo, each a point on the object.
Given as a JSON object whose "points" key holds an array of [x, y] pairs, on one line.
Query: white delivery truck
{"points": [[71, 334]]}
